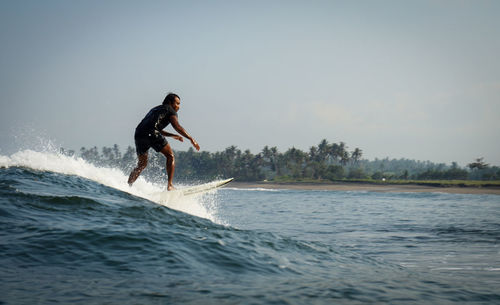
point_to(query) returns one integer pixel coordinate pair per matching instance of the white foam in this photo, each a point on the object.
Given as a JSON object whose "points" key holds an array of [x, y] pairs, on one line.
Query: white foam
{"points": [[200, 206]]}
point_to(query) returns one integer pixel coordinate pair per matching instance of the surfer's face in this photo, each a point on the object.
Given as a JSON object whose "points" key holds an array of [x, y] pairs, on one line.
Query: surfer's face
{"points": [[176, 104]]}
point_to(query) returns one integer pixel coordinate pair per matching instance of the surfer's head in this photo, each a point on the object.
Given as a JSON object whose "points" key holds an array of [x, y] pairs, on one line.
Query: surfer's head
{"points": [[173, 100]]}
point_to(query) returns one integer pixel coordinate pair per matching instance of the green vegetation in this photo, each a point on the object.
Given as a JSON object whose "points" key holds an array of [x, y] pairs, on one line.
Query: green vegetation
{"points": [[325, 163], [436, 183]]}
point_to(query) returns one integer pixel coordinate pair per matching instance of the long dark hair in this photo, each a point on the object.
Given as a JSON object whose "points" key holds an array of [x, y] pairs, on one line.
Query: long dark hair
{"points": [[170, 98]]}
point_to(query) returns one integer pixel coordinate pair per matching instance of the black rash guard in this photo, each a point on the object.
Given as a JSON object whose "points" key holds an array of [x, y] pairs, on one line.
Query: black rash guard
{"points": [[147, 133], [156, 120]]}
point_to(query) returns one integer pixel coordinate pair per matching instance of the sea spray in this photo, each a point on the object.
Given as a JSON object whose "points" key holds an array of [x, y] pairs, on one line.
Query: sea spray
{"points": [[200, 205]]}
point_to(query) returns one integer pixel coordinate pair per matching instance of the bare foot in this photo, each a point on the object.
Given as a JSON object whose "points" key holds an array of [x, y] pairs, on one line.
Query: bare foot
{"points": [[170, 188]]}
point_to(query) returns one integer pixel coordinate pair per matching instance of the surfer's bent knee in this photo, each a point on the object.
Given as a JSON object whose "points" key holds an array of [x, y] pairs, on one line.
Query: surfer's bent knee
{"points": [[168, 153]]}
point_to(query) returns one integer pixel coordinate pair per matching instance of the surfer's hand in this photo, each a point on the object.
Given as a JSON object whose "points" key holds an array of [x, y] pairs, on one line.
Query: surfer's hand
{"points": [[179, 138], [195, 144]]}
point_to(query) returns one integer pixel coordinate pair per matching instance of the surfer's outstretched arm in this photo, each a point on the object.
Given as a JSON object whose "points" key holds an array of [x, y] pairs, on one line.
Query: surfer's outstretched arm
{"points": [[182, 131], [172, 135]]}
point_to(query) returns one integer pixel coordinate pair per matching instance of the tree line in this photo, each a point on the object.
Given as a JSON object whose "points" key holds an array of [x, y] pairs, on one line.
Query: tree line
{"points": [[326, 161]]}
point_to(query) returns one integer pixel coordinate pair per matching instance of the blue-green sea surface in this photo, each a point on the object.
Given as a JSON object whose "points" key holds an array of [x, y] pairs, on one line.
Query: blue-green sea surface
{"points": [[65, 239]]}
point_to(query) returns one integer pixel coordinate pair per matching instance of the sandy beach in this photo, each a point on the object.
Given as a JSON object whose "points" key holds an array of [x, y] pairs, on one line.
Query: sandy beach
{"points": [[366, 187]]}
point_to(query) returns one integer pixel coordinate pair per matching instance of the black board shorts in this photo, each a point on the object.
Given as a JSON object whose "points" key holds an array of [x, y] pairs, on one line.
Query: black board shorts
{"points": [[145, 141]]}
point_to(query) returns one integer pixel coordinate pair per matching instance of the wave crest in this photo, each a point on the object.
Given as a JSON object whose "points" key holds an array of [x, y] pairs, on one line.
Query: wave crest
{"points": [[200, 206]]}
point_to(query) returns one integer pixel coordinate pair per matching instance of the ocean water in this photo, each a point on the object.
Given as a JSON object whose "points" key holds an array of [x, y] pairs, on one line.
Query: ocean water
{"points": [[73, 233]]}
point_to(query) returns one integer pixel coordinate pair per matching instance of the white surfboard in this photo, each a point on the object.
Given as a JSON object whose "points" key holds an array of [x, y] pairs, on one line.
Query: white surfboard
{"points": [[202, 188], [169, 196]]}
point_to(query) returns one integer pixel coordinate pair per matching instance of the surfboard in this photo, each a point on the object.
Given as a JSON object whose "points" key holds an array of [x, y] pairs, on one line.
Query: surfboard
{"points": [[202, 188], [171, 196]]}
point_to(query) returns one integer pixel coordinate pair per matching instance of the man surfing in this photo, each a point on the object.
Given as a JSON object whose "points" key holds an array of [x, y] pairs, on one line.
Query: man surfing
{"points": [[149, 133]]}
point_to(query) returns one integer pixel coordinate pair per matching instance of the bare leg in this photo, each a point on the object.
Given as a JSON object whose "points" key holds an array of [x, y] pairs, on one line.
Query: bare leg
{"points": [[169, 154], [141, 165]]}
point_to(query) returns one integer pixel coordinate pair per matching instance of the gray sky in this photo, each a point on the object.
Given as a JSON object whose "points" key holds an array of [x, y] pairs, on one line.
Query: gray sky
{"points": [[403, 79]]}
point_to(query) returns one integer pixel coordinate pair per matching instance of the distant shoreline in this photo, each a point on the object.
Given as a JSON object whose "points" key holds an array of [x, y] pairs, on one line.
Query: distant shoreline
{"points": [[349, 186]]}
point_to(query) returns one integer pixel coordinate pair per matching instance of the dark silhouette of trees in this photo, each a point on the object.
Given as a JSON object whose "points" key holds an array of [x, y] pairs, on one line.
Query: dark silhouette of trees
{"points": [[478, 164], [483, 171], [356, 155], [327, 161]]}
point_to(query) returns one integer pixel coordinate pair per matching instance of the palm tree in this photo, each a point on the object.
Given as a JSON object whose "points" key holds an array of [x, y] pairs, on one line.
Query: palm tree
{"points": [[356, 155], [323, 150], [275, 160], [315, 165], [344, 159], [267, 156], [479, 164], [295, 159]]}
